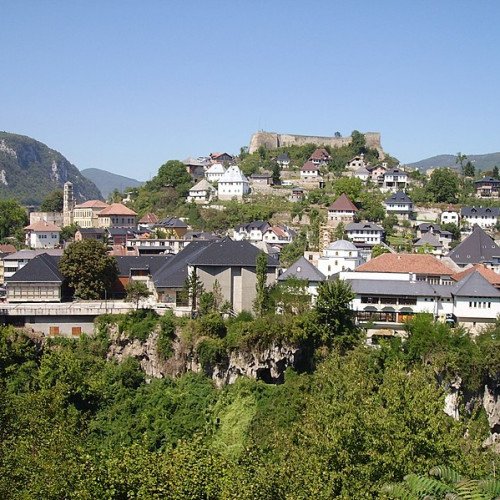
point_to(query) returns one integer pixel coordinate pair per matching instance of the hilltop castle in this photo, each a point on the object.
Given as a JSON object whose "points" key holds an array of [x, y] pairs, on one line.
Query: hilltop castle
{"points": [[273, 140]]}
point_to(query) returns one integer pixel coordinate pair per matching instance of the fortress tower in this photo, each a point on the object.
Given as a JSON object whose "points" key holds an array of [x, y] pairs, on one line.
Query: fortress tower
{"points": [[68, 203]]}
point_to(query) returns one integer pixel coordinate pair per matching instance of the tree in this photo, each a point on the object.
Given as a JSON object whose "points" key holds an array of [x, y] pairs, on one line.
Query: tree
{"points": [[337, 134], [379, 250], [137, 290], [339, 232], [173, 174], [68, 232], [469, 169], [262, 295], [351, 186], [53, 202], [276, 171], [294, 250], [460, 160], [453, 229], [495, 174], [444, 186], [193, 288], [13, 218], [292, 296], [88, 269], [334, 313]]}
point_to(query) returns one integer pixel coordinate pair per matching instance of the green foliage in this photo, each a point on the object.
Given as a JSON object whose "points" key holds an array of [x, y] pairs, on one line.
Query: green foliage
{"points": [[137, 290], [379, 250], [291, 296], [262, 295], [211, 351], [291, 252], [444, 186], [88, 269], [53, 202], [13, 219], [138, 324], [68, 232], [166, 335]]}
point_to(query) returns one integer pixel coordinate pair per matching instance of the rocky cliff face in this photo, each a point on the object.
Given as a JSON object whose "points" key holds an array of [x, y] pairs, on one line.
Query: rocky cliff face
{"points": [[29, 170], [267, 364]]}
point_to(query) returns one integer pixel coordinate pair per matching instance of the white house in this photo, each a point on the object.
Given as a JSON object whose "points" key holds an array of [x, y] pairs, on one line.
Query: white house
{"points": [[42, 234], [356, 163], [202, 192], [395, 180], [362, 174], [367, 233], [400, 205], [340, 255], [484, 217], [253, 231], [309, 171], [232, 184], [278, 235], [450, 216], [215, 172], [342, 210]]}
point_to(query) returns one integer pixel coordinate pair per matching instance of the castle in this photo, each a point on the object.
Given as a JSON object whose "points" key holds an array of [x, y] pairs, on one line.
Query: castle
{"points": [[273, 140]]}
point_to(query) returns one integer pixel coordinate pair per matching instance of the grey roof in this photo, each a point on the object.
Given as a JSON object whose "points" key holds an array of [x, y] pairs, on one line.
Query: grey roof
{"points": [[399, 197], [478, 247], [283, 157], [488, 180], [475, 285], [200, 235], [43, 268], [226, 252], [261, 225], [174, 272], [303, 270], [425, 226], [152, 263], [171, 222], [428, 239], [393, 287], [481, 211], [395, 171], [91, 230], [203, 185], [120, 231], [31, 254], [341, 245], [367, 226]]}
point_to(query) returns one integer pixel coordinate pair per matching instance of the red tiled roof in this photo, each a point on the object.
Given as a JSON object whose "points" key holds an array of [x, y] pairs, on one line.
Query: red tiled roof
{"points": [[93, 204], [149, 218], [42, 226], [406, 263], [343, 203], [116, 209], [309, 166], [320, 154], [7, 248], [488, 274]]}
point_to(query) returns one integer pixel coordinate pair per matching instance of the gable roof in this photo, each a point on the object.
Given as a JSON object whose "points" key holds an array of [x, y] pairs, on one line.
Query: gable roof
{"points": [[283, 157], [31, 254], [478, 247], [367, 226], [428, 239], [43, 226], [424, 264], [490, 275], [7, 248], [480, 211], [488, 179], [395, 171], [398, 197], [475, 285], [233, 174], [227, 252], [174, 272], [152, 263], [216, 168], [303, 270], [309, 166], [320, 154], [149, 218], [116, 209], [203, 185], [397, 288], [343, 203], [92, 204], [171, 222], [43, 268]]}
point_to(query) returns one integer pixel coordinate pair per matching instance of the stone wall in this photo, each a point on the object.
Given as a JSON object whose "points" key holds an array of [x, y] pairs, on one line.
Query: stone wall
{"points": [[273, 140]]}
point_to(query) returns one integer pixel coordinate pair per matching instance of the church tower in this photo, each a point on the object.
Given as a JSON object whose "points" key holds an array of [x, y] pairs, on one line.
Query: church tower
{"points": [[68, 203]]}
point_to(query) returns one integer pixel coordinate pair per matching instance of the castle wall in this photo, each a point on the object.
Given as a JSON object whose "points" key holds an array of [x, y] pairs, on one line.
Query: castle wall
{"points": [[273, 140]]}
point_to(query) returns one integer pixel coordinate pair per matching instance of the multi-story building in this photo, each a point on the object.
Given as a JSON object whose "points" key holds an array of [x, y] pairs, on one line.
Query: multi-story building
{"points": [[85, 215], [484, 217], [487, 187], [400, 205]]}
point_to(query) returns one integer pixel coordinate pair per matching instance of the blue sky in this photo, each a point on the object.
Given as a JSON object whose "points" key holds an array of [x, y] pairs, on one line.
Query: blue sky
{"points": [[125, 86]]}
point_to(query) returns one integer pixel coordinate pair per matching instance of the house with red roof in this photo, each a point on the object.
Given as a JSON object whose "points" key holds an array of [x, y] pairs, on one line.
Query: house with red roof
{"points": [[342, 210], [85, 214], [42, 234], [117, 215], [309, 171], [320, 157]]}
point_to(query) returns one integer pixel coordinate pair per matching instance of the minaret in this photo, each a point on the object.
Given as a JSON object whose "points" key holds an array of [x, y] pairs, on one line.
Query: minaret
{"points": [[68, 204]]}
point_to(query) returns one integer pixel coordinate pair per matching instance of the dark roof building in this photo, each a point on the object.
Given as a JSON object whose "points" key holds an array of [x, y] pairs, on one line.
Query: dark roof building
{"points": [[304, 270], [477, 248]]}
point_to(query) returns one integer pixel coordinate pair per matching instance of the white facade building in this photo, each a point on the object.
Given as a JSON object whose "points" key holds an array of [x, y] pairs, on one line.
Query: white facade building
{"points": [[215, 172], [365, 232], [42, 234], [233, 184], [340, 255], [450, 216]]}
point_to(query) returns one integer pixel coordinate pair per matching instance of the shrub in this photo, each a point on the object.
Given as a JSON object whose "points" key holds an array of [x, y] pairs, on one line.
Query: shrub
{"points": [[211, 351], [138, 324], [166, 335]]}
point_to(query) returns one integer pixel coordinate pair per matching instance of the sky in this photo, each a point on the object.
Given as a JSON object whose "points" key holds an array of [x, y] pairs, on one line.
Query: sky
{"points": [[126, 85]]}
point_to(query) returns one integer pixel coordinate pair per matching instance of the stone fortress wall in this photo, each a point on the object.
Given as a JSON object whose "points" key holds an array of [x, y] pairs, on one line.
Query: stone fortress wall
{"points": [[273, 140]]}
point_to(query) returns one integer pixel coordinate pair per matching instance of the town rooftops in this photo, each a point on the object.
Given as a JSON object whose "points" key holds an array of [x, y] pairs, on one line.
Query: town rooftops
{"points": [[91, 230], [320, 154], [233, 174], [149, 218], [92, 204], [283, 157], [478, 247], [406, 263], [399, 197], [227, 252], [363, 226], [216, 168], [475, 285], [395, 171], [171, 222], [304, 270], [428, 239], [342, 245], [43, 268], [343, 204], [150, 263], [7, 248], [116, 209], [490, 275], [487, 180], [397, 288], [31, 254], [42, 226], [309, 166], [203, 185], [479, 211]]}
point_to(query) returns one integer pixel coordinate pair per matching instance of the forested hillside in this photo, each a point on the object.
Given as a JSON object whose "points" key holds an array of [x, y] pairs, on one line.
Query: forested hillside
{"points": [[76, 424]]}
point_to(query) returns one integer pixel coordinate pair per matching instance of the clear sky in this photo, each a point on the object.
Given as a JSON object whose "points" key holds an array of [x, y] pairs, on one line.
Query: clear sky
{"points": [[126, 85]]}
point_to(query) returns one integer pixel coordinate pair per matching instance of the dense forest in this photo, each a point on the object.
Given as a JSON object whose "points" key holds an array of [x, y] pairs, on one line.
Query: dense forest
{"points": [[75, 423]]}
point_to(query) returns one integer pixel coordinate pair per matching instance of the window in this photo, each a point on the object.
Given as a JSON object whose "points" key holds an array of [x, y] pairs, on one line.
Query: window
{"points": [[53, 330], [76, 330]]}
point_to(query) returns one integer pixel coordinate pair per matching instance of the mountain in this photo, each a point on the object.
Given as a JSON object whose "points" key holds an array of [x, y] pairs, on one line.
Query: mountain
{"points": [[107, 182], [481, 162], [29, 170]]}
